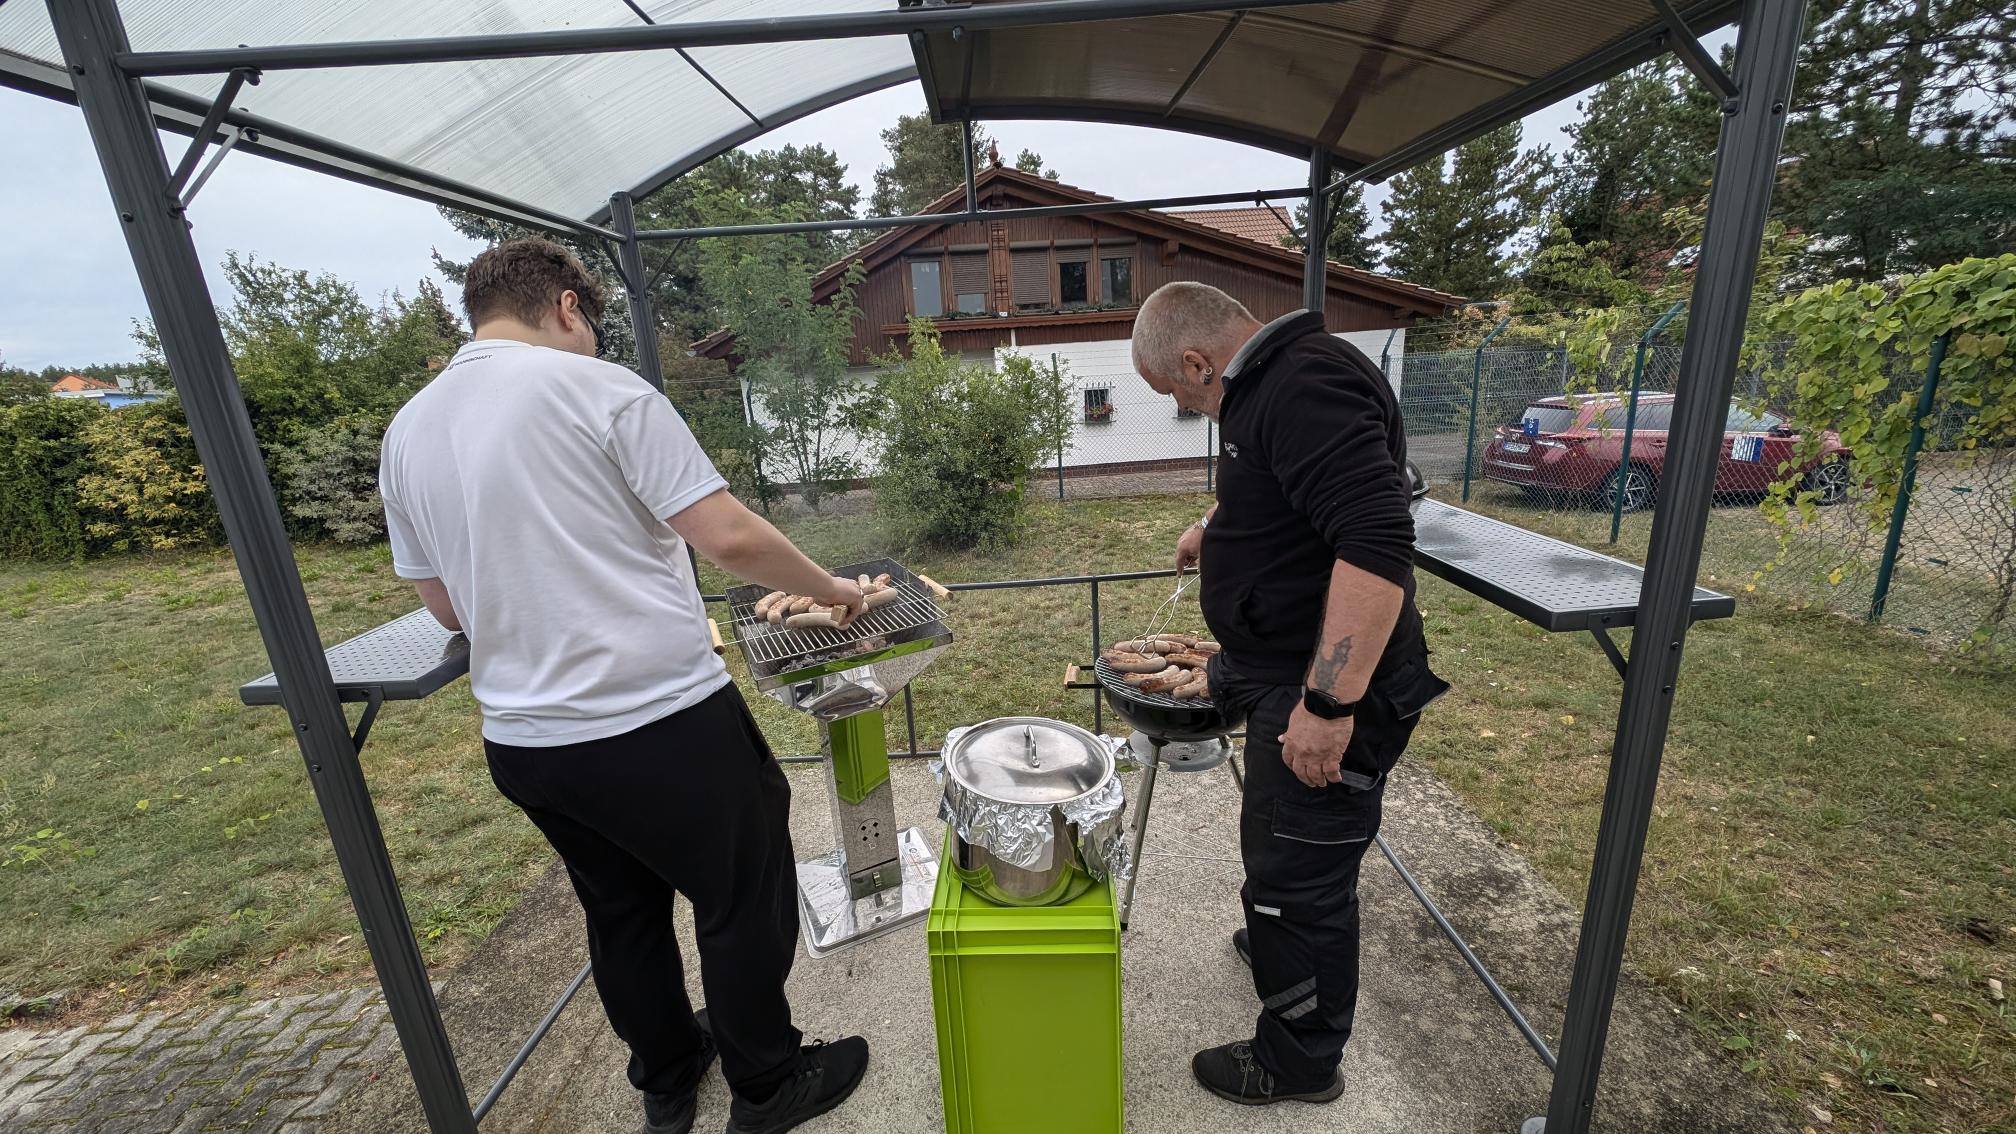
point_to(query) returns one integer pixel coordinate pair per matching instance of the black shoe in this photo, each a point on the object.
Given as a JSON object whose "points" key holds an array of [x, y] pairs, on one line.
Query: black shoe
{"points": [[673, 1113], [1242, 946], [827, 1073], [1231, 1072]]}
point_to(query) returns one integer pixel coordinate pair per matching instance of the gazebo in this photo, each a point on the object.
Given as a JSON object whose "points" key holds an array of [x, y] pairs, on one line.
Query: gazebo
{"points": [[559, 115]]}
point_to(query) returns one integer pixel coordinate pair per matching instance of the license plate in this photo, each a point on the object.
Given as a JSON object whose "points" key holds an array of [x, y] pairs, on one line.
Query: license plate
{"points": [[1518, 447]]}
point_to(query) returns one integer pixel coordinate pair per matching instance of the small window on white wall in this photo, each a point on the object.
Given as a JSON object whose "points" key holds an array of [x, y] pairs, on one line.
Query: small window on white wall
{"points": [[1098, 404]]}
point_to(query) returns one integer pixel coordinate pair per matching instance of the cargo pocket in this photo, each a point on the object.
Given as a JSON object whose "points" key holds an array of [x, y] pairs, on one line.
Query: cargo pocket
{"points": [[1387, 716], [1337, 825]]}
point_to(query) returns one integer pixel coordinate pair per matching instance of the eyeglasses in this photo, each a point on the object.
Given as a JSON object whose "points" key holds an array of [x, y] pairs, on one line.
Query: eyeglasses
{"points": [[601, 338]]}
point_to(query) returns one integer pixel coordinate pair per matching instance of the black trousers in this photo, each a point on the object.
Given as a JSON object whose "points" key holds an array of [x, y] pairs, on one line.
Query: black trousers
{"points": [[1302, 849], [695, 804]]}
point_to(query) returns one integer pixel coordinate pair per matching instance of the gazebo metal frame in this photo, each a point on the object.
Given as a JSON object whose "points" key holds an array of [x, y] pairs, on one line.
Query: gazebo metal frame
{"points": [[107, 80]]}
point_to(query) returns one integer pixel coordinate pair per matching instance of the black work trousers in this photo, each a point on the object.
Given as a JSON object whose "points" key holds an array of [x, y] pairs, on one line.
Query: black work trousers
{"points": [[1302, 848], [693, 804]]}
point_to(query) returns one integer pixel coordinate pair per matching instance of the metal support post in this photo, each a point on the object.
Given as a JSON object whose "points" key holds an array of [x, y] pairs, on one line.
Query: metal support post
{"points": [[1894, 541], [630, 258], [966, 159], [1476, 396], [1057, 376], [1098, 701], [1316, 236], [1746, 164], [1631, 416], [171, 277]]}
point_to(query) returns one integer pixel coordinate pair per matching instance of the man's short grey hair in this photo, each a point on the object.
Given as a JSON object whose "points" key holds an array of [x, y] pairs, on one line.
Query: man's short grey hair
{"points": [[1183, 316]]}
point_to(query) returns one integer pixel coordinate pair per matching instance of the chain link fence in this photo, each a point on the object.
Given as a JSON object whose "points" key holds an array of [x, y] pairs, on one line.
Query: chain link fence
{"points": [[1516, 429]]}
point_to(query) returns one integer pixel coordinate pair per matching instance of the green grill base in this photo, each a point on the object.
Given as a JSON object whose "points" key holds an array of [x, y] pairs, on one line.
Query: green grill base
{"points": [[1027, 1001]]}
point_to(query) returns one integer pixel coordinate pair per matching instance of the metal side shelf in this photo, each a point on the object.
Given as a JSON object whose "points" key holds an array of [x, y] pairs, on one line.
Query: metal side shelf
{"points": [[1553, 584], [403, 660]]}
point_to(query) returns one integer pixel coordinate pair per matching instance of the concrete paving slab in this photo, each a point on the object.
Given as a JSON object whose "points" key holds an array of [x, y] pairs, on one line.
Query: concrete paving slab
{"points": [[1432, 1053]]}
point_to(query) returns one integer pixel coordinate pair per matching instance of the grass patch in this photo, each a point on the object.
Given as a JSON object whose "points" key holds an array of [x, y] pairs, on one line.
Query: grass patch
{"points": [[1828, 887]]}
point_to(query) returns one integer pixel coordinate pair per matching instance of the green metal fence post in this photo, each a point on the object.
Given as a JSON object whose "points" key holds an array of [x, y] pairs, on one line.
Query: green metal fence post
{"points": [[1386, 353], [1631, 416], [1895, 539], [1476, 395]]}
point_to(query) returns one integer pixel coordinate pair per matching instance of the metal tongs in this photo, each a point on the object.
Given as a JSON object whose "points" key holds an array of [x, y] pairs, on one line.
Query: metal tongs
{"points": [[1162, 616]]}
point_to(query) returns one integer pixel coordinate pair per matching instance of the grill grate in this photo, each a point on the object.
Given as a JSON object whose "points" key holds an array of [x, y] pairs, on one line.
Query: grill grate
{"points": [[775, 646], [1115, 682]]}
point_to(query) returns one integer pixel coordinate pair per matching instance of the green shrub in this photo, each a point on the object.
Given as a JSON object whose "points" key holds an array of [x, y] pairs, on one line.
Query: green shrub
{"points": [[43, 453], [144, 487], [328, 480], [958, 441]]}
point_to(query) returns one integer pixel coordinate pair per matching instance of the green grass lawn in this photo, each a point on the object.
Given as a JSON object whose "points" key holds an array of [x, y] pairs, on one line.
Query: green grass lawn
{"points": [[1828, 887]]}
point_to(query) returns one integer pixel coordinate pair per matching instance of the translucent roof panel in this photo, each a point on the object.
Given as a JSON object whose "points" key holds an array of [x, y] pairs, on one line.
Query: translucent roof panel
{"points": [[559, 133], [1373, 81], [545, 139]]}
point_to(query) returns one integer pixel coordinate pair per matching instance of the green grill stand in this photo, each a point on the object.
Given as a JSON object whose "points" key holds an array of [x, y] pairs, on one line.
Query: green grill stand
{"points": [[878, 876]]}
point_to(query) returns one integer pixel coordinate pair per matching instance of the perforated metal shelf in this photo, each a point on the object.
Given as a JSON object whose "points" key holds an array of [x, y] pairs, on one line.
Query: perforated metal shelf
{"points": [[403, 660], [1555, 585]]}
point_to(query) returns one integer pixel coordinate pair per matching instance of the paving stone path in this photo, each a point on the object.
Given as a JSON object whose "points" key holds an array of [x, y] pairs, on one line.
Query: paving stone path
{"points": [[267, 1067]]}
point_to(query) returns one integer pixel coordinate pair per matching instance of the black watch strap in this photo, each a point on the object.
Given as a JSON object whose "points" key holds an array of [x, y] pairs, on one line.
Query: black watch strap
{"points": [[1329, 708]]}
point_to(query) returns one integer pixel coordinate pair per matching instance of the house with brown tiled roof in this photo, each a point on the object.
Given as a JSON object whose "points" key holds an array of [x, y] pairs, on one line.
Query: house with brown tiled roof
{"points": [[79, 386], [1068, 287]]}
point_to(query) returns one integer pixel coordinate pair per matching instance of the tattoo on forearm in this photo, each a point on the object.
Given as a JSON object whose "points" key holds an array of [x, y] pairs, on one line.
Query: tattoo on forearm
{"points": [[1328, 667]]}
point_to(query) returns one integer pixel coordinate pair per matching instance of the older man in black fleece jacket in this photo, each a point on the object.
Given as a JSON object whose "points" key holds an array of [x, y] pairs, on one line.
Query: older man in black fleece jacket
{"points": [[1308, 583]]}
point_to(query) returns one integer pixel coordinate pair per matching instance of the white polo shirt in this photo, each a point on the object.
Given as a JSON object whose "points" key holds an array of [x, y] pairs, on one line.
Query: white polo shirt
{"points": [[535, 484]]}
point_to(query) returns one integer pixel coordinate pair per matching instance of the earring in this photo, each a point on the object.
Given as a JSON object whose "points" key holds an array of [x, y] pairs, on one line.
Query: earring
{"points": [[1207, 376]]}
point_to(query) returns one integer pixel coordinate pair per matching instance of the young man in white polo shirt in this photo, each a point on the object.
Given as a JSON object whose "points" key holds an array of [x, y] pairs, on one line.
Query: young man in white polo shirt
{"points": [[541, 500]]}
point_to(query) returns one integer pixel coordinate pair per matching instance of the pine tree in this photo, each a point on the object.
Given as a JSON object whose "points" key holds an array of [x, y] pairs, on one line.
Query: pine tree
{"points": [[1644, 147], [1450, 224], [1350, 228], [924, 164], [1899, 146]]}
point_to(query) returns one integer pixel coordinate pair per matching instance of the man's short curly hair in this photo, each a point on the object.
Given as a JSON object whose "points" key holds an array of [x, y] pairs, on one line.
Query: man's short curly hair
{"points": [[524, 278]]}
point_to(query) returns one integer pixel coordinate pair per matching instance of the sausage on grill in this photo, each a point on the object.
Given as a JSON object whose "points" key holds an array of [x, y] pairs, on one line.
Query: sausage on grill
{"points": [[880, 598], [1127, 661]]}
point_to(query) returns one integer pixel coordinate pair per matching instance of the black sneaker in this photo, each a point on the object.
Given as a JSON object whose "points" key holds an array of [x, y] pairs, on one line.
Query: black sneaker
{"points": [[1232, 1073], [827, 1073], [673, 1113], [1242, 946]]}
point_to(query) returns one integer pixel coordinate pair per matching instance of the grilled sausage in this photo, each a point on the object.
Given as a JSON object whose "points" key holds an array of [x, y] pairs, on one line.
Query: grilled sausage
{"points": [[880, 598], [1179, 639], [1206, 648], [884, 580], [800, 605], [1169, 679], [1198, 686], [863, 581], [1126, 661], [822, 618], [764, 604], [1189, 660], [1147, 646], [1140, 680]]}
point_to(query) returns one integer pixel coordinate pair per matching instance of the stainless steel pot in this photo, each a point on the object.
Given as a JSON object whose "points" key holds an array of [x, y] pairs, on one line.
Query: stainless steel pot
{"points": [[1024, 796]]}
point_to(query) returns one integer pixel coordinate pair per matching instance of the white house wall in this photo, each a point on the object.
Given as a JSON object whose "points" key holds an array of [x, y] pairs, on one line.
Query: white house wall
{"points": [[1144, 426]]}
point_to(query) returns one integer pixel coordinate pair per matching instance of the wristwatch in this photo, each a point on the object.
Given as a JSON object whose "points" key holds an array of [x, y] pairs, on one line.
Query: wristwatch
{"points": [[1321, 704], [1202, 522]]}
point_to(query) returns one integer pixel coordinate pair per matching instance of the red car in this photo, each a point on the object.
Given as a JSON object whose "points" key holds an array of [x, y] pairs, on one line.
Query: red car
{"points": [[1576, 445]]}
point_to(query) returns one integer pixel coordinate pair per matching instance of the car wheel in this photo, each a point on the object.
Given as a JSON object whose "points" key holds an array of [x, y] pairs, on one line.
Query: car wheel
{"points": [[1635, 483], [1829, 482]]}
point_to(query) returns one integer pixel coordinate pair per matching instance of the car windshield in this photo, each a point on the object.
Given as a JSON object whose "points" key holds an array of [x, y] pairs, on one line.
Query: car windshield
{"points": [[1540, 418]]}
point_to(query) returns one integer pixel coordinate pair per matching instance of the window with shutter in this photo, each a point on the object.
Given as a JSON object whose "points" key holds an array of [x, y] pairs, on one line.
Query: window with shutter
{"points": [[1031, 279], [969, 282]]}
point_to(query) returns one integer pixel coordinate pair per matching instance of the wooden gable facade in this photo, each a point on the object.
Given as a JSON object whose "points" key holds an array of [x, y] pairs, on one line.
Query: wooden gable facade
{"points": [[1028, 281]]}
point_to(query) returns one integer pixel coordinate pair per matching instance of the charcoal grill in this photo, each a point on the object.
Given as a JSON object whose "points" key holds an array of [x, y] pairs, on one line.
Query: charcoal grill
{"points": [[1189, 735], [878, 876]]}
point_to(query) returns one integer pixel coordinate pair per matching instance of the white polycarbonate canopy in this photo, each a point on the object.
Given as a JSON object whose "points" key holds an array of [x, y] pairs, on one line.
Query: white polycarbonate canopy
{"points": [[545, 138], [559, 133]]}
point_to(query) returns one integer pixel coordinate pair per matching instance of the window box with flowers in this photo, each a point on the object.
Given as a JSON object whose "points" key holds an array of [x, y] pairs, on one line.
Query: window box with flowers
{"points": [[1098, 405]]}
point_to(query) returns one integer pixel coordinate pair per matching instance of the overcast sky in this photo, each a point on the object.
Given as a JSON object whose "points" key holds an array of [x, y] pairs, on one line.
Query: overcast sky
{"points": [[68, 294]]}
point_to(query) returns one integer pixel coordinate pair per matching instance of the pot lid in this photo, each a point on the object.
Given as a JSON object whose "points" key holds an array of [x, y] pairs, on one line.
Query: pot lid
{"points": [[1029, 761]]}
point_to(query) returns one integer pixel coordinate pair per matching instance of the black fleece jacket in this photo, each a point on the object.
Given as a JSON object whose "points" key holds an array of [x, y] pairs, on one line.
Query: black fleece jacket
{"points": [[1313, 470]]}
